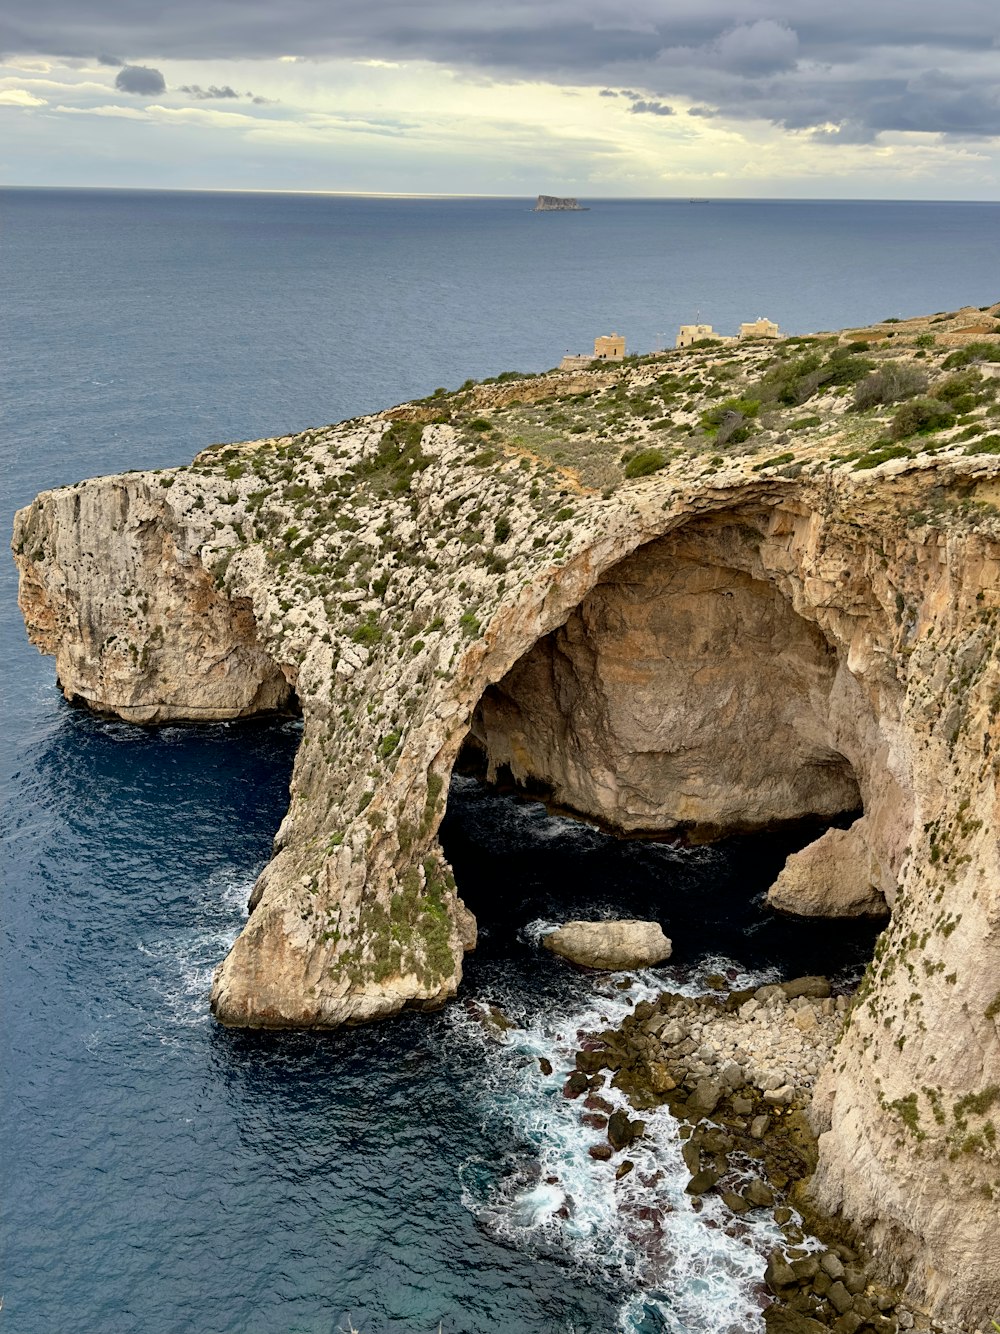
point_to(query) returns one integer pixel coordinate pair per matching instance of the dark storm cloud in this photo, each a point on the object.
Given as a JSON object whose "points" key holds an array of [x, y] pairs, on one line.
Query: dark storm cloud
{"points": [[212, 91], [113, 61], [642, 108], [798, 63], [140, 79]]}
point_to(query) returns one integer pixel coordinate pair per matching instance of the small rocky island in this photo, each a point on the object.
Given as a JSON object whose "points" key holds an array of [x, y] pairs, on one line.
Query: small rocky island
{"points": [[553, 204], [708, 591]]}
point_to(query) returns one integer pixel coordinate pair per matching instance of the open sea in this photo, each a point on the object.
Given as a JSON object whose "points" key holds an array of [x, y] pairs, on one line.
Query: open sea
{"points": [[161, 1175]]}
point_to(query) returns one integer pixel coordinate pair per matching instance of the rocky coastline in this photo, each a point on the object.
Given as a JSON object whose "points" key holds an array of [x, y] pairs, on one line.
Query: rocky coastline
{"points": [[707, 592], [737, 1069]]}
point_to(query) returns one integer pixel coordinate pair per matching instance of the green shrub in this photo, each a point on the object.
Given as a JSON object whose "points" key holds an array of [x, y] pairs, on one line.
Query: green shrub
{"points": [[877, 456], [501, 530], [775, 461], [368, 632], [990, 444], [745, 407], [480, 424], [644, 463], [965, 356], [469, 624], [397, 458], [786, 381], [924, 340], [959, 391], [388, 745], [733, 430], [894, 382], [919, 416]]}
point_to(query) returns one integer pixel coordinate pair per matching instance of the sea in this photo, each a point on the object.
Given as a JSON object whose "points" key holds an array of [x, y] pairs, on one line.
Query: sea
{"points": [[162, 1175]]}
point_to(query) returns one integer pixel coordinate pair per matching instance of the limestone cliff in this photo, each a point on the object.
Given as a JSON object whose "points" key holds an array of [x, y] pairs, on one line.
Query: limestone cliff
{"points": [[670, 595]]}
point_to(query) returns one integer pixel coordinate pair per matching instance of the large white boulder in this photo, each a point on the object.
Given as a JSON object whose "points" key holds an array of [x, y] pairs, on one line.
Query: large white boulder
{"points": [[610, 945]]}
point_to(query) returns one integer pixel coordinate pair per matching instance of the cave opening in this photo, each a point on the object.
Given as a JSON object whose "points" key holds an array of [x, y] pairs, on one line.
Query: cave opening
{"points": [[699, 731]]}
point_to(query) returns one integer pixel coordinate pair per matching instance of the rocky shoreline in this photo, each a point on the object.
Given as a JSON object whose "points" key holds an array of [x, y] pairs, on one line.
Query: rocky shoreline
{"points": [[708, 592], [737, 1069]]}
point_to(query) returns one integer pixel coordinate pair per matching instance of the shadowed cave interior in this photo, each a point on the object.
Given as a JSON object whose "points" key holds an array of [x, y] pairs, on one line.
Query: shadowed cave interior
{"points": [[683, 702]]}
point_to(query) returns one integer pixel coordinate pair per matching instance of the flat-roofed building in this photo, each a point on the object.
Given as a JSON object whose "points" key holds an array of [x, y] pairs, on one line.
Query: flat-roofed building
{"points": [[609, 347], [759, 328], [695, 333]]}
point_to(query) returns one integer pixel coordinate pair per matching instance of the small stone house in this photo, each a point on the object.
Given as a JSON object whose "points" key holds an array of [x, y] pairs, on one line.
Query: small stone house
{"points": [[759, 328], [609, 347], [694, 333]]}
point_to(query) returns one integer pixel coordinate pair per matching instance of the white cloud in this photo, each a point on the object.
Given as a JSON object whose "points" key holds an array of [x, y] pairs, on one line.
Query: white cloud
{"points": [[20, 97], [118, 113]]}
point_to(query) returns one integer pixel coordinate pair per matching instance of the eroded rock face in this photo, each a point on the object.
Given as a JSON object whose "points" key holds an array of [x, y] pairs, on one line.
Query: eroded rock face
{"points": [[116, 589], [836, 876], [591, 643], [610, 945], [627, 712]]}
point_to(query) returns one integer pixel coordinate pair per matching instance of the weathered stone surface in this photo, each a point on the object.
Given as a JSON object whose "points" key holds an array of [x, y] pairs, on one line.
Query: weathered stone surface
{"points": [[779, 1320], [710, 649], [834, 877], [817, 988], [702, 1181], [779, 1275], [610, 945]]}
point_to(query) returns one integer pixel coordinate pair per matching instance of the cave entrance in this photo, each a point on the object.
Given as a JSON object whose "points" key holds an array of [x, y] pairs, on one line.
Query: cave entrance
{"points": [[687, 706], [683, 695]]}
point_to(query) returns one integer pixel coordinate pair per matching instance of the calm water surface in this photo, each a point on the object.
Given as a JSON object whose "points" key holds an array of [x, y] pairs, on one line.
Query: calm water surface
{"points": [[161, 1174]]}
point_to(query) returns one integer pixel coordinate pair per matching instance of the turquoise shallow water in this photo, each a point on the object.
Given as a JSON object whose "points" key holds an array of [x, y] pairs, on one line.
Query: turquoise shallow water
{"points": [[161, 1174]]}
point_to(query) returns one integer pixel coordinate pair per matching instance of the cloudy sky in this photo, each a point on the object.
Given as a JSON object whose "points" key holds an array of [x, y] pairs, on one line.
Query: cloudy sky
{"points": [[796, 98]]}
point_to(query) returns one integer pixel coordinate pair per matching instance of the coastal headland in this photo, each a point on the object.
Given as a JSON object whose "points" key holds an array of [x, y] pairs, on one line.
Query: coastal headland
{"points": [[707, 591]]}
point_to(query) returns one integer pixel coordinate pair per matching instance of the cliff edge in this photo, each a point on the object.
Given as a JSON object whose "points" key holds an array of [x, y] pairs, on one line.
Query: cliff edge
{"points": [[712, 590]]}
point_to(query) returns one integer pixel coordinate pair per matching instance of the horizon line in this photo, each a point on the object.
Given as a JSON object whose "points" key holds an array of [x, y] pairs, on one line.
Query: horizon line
{"points": [[450, 194]]}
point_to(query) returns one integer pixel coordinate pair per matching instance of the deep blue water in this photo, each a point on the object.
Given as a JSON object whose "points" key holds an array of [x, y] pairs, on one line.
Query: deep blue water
{"points": [[161, 1174]]}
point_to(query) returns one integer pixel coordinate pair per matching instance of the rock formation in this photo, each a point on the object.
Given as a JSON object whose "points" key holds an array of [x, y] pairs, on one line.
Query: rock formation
{"points": [[555, 204], [610, 945], [750, 615], [833, 877]]}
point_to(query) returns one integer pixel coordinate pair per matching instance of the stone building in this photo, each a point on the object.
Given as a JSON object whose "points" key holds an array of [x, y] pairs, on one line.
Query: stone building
{"points": [[694, 333], [609, 347], [759, 328]]}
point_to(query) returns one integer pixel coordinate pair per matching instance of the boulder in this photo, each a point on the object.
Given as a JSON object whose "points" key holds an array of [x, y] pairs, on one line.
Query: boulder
{"points": [[758, 1194], [622, 1131], [833, 877], [610, 945], [702, 1181], [779, 1320], [816, 988], [704, 1100]]}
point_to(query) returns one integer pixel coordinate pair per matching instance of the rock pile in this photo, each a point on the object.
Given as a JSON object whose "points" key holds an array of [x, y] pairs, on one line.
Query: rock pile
{"points": [[737, 1071]]}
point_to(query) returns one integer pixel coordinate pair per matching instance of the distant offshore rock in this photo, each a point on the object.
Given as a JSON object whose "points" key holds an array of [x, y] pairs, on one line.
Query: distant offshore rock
{"points": [[610, 945], [553, 204]]}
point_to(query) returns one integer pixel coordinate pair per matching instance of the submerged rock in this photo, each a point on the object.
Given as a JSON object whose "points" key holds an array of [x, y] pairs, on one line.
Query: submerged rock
{"points": [[610, 945]]}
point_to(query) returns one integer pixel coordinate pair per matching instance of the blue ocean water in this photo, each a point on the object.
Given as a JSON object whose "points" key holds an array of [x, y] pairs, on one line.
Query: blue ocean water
{"points": [[161, 1174]]}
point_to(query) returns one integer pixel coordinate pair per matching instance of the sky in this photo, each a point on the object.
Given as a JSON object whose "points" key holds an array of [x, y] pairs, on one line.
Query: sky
{"points": [[892, 99]]}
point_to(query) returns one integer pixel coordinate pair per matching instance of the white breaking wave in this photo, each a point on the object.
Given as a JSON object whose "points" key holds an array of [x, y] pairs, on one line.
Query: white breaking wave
{"points": [[182, 962], [683, 1265]]}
